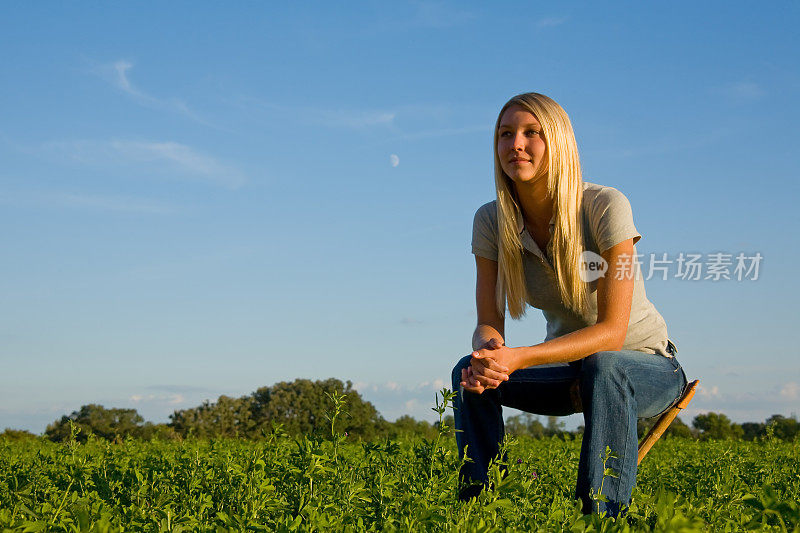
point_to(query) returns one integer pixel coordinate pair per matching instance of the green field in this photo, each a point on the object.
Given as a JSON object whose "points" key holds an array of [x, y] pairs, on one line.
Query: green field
{"points": [[316, 483]]}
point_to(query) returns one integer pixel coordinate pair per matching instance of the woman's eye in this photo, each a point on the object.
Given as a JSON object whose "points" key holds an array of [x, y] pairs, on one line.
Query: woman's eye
{"points": [[531, 133], [505, 134]]}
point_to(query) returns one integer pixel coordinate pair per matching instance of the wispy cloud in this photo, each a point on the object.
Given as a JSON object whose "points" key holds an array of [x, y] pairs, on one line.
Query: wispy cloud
{"points": [[79, 200], [662, 146], [746, 405], [162, 156], [790, 391], [181, 389], [440, 15], [357, 119], [344, 118], [112, 203], [549, 22], [117, 74], [169, 399], [708, 392], [440, 132], [393, 386], [393, 399], [742, 91]]}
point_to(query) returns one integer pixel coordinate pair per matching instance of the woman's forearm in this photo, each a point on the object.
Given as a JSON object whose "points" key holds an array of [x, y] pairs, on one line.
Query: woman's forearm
{"points": [[571, 347], [483, 333]]}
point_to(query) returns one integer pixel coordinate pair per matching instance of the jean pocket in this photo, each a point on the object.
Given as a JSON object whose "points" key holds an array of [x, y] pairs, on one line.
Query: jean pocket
{"points": [[677, 368]]}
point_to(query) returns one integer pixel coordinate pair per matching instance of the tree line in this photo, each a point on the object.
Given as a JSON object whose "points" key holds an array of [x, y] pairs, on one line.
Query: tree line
{"points": [[302, 406]]}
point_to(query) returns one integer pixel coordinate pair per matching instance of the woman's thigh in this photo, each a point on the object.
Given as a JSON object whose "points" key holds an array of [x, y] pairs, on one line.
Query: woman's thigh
{"points": [[657, 381], [542, 390]]}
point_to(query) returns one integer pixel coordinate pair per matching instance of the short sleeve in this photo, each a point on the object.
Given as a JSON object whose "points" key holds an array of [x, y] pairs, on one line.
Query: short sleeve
{"points": [[484, 231], [611, 219]]}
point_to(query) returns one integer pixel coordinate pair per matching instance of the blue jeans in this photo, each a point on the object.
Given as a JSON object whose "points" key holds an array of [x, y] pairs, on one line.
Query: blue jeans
{"points": [[614, 388]]}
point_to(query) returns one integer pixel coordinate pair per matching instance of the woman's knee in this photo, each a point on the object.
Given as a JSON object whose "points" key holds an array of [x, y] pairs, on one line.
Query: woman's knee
{"points": [[601, 365], [463, 363]]}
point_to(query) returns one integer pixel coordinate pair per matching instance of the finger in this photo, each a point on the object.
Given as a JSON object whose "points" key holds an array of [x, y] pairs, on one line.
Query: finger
{"points": [[491, 364], [469, 383], [478, 389], [473, 380], [466, 379], [489, 383], [491, 344], [491, 374]]}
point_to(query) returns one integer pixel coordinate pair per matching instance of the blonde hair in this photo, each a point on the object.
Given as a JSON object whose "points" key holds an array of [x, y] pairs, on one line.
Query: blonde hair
{"points": [[565, 187]]}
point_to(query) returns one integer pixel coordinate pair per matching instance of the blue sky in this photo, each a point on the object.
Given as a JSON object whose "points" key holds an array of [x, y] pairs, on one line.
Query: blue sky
{"points": [[202, 199]]}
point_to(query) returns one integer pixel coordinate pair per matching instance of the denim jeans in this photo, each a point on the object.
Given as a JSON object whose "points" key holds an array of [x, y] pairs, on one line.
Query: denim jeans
{"points": [[614, 387]]}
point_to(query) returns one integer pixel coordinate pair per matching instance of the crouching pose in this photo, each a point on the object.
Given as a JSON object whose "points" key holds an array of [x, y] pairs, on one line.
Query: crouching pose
{"points": [[567, 247]]}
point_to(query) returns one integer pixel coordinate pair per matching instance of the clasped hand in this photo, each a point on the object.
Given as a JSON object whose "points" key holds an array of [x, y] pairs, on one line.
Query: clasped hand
{"points": [[490, 366]]}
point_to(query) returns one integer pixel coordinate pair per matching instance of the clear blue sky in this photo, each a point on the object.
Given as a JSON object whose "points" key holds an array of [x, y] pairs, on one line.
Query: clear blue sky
{"points": [[202, 198]]}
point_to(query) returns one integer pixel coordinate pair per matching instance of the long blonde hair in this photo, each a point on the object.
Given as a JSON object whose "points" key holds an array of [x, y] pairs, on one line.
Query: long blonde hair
{"points": [[565, 187]]}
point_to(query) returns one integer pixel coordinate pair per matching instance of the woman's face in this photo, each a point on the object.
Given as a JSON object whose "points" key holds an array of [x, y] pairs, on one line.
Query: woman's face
{"points": [[520, 145]]}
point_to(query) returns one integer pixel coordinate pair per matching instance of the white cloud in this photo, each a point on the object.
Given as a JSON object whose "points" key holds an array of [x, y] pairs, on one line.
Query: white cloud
{"points": [[743, 90], [122, 204], [441, 132], [440, 15], [549, 22], [169, 399], [357, 119], [343, 118], [411, 406], [708, 392], [394, 160], [745, 405], [112, 203], [790, 391], [117, 74], [163, 156]]}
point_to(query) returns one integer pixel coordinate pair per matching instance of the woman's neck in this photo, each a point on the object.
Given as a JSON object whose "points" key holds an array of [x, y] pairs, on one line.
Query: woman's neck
{"points": [[536, 203]]}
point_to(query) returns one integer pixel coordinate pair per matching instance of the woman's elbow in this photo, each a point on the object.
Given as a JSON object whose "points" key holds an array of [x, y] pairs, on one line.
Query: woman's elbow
{"points": [[615, 337]]}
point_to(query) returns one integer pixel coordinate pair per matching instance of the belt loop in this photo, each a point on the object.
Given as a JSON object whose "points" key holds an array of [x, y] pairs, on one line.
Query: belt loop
{"points": [[671, 348]]}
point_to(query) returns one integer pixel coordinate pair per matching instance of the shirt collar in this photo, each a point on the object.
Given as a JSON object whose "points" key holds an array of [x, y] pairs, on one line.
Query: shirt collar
{"points": [[521, 223]]}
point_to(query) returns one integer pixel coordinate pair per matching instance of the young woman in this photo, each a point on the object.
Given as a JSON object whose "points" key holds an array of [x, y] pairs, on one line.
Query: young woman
{"points": [[531, 245]]}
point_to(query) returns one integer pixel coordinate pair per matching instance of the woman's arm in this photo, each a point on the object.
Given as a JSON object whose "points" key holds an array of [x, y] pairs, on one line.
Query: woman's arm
{"points": [[614, 297], [491, 324], [489, 333]]}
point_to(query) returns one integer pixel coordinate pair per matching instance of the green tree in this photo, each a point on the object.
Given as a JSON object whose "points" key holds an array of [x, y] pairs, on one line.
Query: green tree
{"points": [[17, 434], [525, 424], [301, 407], [783, 427], [555, 426], [717, 426], [227, 417], [407, 425], [752, 430], [109, 424], [676, 429]]}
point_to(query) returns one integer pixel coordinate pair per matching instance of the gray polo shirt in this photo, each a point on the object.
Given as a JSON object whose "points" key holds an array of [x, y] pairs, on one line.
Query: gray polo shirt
{"points": [[607, 221]]}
